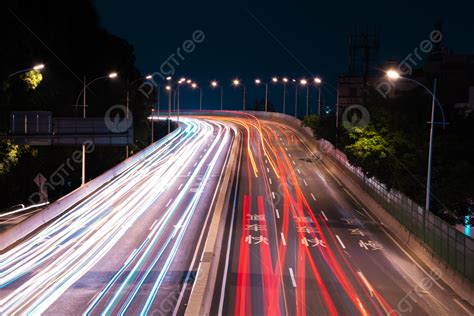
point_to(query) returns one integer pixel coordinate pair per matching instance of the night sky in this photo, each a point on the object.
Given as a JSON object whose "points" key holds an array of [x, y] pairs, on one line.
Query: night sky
{"points": [[291, 38]]}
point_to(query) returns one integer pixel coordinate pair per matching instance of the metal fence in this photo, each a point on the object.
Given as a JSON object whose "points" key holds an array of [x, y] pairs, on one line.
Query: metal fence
{"points": [[446, 242]]}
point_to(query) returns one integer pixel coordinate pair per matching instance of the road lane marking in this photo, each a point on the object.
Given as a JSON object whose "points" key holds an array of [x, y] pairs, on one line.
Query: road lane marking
{"points": [[324, 215], [286, 148], [340, 241], [283, 240], [169, 202], [277, 213], [180, 186], [153, 225], [299, 172], [313, 196], [195, 164], [305, 183], [289, 155], [292, 277], [367, 284], [189, 173], [293, 162], [268, 169], [273, 195], [462, 306], [200, 157], [270, 180]]}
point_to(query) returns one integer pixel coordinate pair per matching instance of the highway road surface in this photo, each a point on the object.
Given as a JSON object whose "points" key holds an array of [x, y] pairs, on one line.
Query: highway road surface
{"points": [[296, 241], [299, 243], [128, 247]]}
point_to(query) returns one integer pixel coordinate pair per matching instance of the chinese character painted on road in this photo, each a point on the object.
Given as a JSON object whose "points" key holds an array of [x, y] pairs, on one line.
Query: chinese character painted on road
{"points": [[358, 231], [256, 240], [371, 244], [313, 242], [351, 221], [303, 219], [255, 227], [256, 217], [306, 229]]}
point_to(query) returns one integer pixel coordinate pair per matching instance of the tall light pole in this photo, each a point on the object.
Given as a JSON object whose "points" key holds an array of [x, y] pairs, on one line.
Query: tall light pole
{"points": [[304, 83], [258, 82], [168, 88], [394, 75], [35, 67], [236, 83], [195, 86], [84, 92], [129, 84], [215, 84], [285, 81], [318, 81], [181, 81]]}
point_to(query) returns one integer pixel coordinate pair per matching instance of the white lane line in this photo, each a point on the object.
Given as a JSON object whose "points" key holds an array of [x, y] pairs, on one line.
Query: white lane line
{"points": [[180, 186], [268, 170], [367, 284], [293, 162], [130, 257], [289, 155], [200, 157], [313, 196], [266, 161], [299, 172], [462, 306], [277, 213], [324, 215], [286, 148], [340, 241], [169, 202], [305, 183], [270, 180], [292, 277], [195, 164], [283, 240], [273, 195], [189, 173], [153, 225]]}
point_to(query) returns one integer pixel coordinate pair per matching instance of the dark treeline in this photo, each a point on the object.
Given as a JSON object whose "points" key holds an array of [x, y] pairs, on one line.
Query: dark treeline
{"points": [[394, 147], [65, 36]]}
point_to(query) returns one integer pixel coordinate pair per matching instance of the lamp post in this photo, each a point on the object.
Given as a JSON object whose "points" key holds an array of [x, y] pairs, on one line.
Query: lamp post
{"points": [[394, 75], [195, 86], [215, 84], [258, 82], [168, 88], [236, 83], [83, 92], [304, 83], [285, 81], [35, 67], [318, 81]]}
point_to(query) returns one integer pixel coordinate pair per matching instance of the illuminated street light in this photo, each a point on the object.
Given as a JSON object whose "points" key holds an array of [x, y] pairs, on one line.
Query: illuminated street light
{"points": [[38, 67], [148, 77], [214, 84], [304, 82], [318, 81], [285, 79], [258, 82], [83, 93], [395, 75], [275, 79], [236, 83], [195, 86], [168, 78]]}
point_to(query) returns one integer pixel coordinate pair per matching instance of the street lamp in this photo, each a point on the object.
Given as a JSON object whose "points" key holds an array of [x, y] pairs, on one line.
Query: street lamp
{"points": [[195, 86], [34, 67], [215, 84], [304, 82], [83, 92], [129, 84], [394, 75], [236, 83], [318, 82], [168, 88], [258, 82], [285, 81]]}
